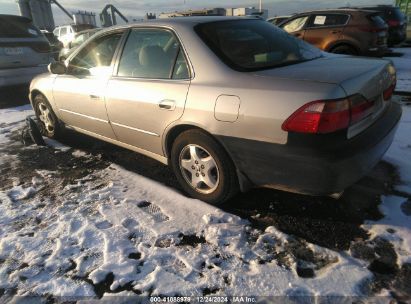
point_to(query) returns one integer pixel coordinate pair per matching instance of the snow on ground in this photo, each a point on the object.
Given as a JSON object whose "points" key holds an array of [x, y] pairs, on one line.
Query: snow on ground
{"points": [[403, 66], [114, 231]]}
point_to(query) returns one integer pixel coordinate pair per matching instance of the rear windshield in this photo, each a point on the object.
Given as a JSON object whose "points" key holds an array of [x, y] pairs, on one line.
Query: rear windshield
{"points": [[390, 13], [249, 45], [17, 27], [394, 14]]}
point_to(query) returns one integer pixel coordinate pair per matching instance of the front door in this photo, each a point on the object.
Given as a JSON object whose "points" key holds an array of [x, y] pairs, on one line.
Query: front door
{"points": [[150, 88], [79, 94]]}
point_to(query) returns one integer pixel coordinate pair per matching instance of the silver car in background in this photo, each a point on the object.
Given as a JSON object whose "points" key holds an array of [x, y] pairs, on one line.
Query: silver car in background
{"points": [[24, 51], [228, 103]]}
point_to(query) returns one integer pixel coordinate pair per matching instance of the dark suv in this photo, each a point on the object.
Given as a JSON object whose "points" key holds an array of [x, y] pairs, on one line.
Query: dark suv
{"points": [[397, 23], [341, 31], [24, 51]]}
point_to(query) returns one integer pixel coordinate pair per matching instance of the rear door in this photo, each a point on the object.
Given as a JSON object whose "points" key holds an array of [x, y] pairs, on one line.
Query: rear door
{"points": [[149, 90], [324, 29], [296, 26]]}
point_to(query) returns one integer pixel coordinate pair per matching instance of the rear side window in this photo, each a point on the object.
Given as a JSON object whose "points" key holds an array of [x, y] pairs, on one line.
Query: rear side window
{"points": [[320, 20], [63, 31], [152, 53], [250, 45], [16, 27]]}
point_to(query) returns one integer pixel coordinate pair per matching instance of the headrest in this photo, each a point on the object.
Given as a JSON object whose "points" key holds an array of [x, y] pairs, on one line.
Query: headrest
{"points": [[151, 55]]}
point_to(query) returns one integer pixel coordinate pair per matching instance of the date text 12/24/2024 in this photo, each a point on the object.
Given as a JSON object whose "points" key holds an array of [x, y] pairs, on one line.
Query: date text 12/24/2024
{"points": [[203, 299]]}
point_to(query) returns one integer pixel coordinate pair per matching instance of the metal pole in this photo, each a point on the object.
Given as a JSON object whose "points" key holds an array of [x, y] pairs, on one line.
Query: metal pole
{"points": [[261, 6]]}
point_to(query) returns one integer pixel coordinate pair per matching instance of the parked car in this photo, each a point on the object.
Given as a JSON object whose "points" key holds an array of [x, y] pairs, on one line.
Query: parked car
{"points": [[279, 19], [55, 44], [24, 51], [396, 20], [79, 38], [341, 31], [229, 103], [67, 33]]}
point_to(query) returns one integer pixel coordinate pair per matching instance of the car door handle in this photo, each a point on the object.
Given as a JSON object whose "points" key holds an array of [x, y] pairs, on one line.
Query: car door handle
{"points": [[335, 32], [167, 104], [297, 35], [96, 97]]}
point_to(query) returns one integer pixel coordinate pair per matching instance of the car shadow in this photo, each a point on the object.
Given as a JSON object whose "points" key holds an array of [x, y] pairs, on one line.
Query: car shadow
{"points": [[332, 223], [14, 96]]}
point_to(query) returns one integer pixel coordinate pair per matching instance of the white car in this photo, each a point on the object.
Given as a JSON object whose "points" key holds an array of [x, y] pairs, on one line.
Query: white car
{"points": [[67, 33]]}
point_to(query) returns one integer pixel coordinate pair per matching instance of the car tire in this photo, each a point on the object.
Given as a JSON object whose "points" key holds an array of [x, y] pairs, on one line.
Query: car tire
{"points": [[345, 50], [48, 122], [203, 168]]}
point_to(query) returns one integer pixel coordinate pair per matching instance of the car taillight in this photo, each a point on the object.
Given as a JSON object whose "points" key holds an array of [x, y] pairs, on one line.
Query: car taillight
{"points": [[393, 22], [360, 108], [389, 92], [331, 115], [319, 117]]}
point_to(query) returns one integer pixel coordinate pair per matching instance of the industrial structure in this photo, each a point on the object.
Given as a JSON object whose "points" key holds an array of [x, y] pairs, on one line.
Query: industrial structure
{"points": [[40, 12]]}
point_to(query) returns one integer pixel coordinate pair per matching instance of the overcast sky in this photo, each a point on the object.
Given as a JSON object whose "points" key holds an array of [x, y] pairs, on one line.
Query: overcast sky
{"points": [[137, 8]]}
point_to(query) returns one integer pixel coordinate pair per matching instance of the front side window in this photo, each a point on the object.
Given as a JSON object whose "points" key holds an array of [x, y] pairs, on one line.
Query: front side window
{"points": [[152, 53], [295, 24], [63, 31], [248, 45], [95, 58]]}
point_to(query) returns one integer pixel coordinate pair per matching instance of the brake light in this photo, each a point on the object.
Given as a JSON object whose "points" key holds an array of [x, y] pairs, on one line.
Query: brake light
{"points": [[328, 116], [389, 92], [319, 117], [393, 22], [360, 108]]}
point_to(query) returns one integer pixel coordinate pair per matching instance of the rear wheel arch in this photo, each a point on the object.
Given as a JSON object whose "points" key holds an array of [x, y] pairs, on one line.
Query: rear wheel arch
{"points": [[350, 45], [243, 181]]}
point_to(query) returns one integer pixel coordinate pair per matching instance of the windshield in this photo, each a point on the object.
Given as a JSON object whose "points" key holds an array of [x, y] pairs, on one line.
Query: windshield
{"points": [[248, 45]]}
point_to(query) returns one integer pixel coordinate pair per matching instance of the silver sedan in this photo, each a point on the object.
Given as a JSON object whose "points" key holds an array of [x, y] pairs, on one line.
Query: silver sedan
{"points": [[228, 103]]}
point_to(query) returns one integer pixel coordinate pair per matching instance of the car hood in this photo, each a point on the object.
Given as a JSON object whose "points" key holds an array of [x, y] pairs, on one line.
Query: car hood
{"points": [[367, 76]]}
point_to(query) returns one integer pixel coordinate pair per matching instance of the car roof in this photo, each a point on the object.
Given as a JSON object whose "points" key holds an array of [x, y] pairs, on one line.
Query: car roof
{"points": [[183, 21], [337, 10]]}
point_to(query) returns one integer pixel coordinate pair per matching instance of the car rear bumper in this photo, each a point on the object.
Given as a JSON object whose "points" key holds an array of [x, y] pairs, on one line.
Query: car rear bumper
{"points": [[314, 164], [16, 76]]}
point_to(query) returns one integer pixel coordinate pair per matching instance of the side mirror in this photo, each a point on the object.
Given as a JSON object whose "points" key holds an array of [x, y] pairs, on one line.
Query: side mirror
{"points": [[57, 67]]}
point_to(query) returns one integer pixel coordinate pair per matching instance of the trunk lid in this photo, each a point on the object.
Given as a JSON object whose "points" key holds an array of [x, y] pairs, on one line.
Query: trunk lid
{"points": [[367, 77]]}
